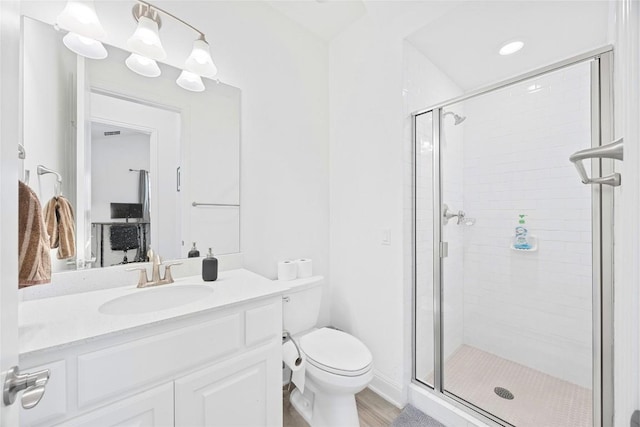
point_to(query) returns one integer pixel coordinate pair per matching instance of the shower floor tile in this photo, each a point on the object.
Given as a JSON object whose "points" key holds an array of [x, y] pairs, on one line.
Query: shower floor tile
{"points": [[540, 400]]}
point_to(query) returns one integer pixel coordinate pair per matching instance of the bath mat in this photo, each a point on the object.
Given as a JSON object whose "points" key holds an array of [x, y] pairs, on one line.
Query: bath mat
{"points": [[412, 417]]}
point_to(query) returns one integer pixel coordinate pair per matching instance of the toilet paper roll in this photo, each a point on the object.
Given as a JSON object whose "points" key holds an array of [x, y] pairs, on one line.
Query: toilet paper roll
{"points": [[304, 268], [287, 270], [294, 361]]}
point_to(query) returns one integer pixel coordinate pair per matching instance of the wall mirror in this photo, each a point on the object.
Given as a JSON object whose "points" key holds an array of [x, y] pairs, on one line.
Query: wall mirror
{"points": [[143, 162]]}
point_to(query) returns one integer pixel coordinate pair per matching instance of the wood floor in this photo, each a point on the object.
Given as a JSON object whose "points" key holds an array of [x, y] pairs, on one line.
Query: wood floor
{"points": [[373, 411]]}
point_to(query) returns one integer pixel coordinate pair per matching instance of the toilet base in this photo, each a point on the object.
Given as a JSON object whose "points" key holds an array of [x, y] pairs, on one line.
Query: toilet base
{"points": [[326, 410]]}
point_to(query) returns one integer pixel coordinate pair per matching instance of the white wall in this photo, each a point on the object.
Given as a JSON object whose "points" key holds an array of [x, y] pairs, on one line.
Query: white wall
{"points": [[532, 308], [626, 36], [371, 295]]}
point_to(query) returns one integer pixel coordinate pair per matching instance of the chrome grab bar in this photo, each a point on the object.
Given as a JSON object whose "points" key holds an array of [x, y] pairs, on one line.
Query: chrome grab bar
{"points": [[614, 151]]}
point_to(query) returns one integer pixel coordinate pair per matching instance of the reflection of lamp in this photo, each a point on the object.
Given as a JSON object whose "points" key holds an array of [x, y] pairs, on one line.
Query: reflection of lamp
{"points": [[143, 65], [84, 46], [145, 40], [200, 61], [190, 81], [80, 19]]}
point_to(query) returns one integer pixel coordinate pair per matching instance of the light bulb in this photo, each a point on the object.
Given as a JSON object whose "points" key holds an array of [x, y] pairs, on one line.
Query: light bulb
{"points": [[200, 61], [511, 47], [84, 46]]}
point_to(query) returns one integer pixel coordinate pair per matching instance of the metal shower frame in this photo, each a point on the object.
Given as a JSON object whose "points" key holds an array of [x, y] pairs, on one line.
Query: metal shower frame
{"points": [[602, 234]]}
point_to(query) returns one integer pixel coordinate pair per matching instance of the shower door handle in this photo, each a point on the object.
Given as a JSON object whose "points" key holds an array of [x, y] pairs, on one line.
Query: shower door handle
{"points": [[615, 150]]}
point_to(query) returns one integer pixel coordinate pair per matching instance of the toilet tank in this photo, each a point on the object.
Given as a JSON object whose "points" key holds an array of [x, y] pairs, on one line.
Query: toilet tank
{"points": [[301, 305]]}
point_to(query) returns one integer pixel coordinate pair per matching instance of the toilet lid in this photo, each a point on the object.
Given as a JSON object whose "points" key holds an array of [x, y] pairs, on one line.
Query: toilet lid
{"points": [[336, 351]]}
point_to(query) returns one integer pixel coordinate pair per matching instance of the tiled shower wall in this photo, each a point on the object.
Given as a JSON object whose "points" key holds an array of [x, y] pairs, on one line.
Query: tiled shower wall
{"points": [[533, 308]]}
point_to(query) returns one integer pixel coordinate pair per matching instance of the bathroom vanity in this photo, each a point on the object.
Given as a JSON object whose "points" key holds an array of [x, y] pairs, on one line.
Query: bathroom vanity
{"points": [[191, 353]]}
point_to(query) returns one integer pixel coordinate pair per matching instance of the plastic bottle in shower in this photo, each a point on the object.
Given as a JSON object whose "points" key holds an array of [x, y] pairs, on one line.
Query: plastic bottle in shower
{"points": [[522, 234]]}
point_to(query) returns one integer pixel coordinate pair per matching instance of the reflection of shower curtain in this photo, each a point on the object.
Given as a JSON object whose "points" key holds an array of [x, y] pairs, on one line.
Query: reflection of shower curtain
{"points": [[143, 193]]}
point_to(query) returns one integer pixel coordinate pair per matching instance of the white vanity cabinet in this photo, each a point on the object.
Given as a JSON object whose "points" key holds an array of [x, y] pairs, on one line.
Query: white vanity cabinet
{"points": [[218, 367]]}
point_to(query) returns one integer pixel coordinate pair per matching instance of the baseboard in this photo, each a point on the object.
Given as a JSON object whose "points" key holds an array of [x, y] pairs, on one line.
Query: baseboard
{"points": [[386, 389], [442, 411]]}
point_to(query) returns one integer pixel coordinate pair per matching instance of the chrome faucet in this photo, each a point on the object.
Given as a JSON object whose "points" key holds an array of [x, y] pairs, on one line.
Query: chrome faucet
{"points": [[143, 280]]}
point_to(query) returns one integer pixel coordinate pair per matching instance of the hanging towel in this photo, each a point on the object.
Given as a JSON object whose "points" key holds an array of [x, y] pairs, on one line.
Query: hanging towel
{"points": [[58, 216], [34, 258], [143, 193]]}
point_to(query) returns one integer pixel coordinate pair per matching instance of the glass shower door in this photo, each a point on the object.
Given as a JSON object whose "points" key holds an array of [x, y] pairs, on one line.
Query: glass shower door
{"points": [[517, 278]]}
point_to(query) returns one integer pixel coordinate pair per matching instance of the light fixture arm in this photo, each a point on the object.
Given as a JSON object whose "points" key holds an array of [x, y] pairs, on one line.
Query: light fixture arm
{"points": [[151, 7]]}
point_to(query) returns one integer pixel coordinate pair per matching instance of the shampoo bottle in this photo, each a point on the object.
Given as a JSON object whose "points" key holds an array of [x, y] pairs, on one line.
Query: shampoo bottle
{"points": [[194, 252], [209, 267], [522, 233]]}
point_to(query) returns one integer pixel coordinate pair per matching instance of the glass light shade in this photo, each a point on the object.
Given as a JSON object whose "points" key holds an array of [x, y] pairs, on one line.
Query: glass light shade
{"points": [[190, 81], [142, 65], [80, 17], [200, 61], [84, 46], [145, 40]]}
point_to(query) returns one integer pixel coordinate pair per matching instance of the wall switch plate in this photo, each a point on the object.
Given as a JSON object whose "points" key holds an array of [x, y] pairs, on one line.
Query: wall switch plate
{"points": [[386, 237]]}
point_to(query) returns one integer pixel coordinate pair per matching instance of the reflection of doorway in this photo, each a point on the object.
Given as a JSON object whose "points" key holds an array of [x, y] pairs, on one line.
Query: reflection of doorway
{"points": [[120, 162], [149, 140]]}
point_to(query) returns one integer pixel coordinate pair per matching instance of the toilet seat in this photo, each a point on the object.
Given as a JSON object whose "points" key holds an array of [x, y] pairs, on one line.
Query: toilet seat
{"points": [[336, 352]]}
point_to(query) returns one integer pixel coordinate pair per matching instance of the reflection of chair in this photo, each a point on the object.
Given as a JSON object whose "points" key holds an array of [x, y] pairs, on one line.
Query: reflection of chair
{"points": [[124, 237]]}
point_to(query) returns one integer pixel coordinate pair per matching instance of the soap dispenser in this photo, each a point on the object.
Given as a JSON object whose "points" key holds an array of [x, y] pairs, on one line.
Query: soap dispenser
{"points": [[194, 252], [209, 267]]}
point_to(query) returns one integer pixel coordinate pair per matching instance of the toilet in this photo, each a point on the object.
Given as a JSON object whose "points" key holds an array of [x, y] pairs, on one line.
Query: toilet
{"points": [[338, 365]]}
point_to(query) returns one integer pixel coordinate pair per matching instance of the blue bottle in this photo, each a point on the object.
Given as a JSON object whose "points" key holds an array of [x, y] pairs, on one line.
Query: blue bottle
{"points": [[522, 241]]}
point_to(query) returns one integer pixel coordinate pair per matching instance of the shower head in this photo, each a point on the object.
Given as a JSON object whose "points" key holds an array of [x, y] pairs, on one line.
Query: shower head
{"points": [[457, 119]]}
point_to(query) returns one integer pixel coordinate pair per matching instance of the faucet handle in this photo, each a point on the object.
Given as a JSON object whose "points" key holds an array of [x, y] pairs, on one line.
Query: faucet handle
{"points": [[142, 279], [167, 271]]}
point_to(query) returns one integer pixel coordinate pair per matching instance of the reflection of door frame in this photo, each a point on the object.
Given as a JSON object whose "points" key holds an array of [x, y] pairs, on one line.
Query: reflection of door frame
{"points": [[164, 211], [602, 230]]}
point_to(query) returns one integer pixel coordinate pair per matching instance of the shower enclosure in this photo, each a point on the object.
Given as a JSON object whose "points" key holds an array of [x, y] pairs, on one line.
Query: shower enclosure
{"points": [[513, 253]]}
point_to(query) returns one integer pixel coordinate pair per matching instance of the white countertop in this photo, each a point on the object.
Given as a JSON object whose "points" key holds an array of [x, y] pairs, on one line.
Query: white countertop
{"points": [[57, 321]]}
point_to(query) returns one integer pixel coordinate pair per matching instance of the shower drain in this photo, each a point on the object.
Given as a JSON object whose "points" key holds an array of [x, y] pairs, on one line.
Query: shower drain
{"points": [[503, 393]]}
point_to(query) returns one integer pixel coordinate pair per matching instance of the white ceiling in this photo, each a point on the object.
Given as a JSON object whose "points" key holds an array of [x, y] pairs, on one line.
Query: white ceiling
{"points": [[464, 42], [325, 18]]}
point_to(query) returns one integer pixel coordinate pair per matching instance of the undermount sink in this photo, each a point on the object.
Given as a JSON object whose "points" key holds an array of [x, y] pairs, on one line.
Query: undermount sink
{"points": [[161, 298]]}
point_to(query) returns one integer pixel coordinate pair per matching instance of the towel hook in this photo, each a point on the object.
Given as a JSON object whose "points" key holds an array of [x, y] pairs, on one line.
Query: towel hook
{"points": [[42, 170]]}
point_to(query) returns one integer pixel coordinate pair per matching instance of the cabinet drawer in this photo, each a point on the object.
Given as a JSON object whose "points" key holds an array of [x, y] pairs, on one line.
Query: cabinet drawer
{"points": [[115, 370], [54, 402]]}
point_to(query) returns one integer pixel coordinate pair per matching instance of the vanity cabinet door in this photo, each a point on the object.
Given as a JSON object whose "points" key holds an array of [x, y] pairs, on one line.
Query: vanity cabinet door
{"points": [[153, 408], [243, 391]]}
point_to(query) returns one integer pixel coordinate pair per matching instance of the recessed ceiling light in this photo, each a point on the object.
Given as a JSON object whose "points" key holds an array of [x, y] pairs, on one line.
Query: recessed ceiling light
{"points": [[511, 47]]}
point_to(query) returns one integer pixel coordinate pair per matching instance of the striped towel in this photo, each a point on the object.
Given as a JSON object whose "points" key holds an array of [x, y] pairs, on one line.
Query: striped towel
{"points": [[34, 256], [58, 216]]}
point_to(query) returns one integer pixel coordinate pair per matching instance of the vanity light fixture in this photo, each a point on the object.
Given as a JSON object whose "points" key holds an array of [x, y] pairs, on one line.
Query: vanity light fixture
{"points": [[146, 43], [145, 40], [200, 61], [511, 47], [142, 65], [79, 18]]}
